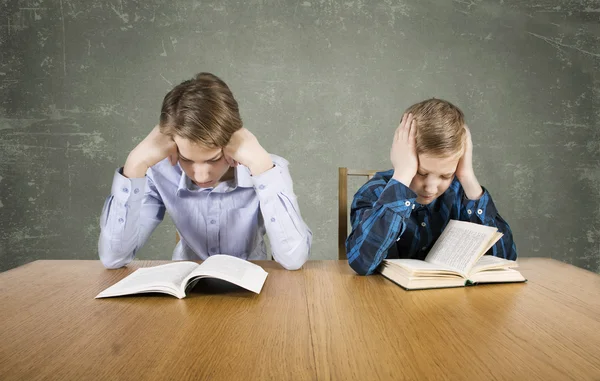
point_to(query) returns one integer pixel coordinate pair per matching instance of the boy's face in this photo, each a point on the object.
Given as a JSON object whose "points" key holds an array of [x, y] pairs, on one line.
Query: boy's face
{"points": [[433, 177], [204, 166]]}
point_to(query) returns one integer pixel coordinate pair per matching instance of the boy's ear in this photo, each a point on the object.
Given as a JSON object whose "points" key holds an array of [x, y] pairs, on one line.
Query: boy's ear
{"points": [[174, 158]]}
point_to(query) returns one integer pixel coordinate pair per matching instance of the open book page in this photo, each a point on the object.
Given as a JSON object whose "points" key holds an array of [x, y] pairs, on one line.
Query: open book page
{"points": [[495, 238], [415, 267], [497, 276], [433, 278], [164, 278], [232, 269], [489, 262], [461, 245]]}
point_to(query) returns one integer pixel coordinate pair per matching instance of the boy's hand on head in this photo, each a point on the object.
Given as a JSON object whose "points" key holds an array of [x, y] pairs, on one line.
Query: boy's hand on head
{"points": [[465, 172], [404, 151], [154, 148], [244, 148]]}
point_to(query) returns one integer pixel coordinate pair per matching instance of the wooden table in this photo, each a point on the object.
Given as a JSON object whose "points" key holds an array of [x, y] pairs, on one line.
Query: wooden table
{"points": [[319, 323]]}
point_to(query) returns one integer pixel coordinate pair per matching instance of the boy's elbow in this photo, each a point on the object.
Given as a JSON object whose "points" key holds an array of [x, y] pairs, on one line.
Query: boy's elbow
{"points": [[109, 258], [298, 257], [359, 268], [112, 263], [292, 266], [294, 263], [513, 253], [355, 261]]}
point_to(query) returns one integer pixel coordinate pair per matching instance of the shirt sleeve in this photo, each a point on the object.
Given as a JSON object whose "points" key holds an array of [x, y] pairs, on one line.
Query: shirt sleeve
{"points": [[483, 211], [289, 236], [130, 214], [378, 215]]}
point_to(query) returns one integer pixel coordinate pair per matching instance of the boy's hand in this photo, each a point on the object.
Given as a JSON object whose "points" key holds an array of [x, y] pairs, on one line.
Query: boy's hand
{"points": [[404, 151], [154, 148], [244, 148], [464, 171]]}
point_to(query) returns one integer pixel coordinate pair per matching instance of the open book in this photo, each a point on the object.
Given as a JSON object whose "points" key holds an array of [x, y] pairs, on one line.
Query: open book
{"points": [[456, 259], [175, 278]]}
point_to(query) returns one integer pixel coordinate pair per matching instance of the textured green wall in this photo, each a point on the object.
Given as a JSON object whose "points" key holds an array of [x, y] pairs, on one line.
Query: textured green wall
{"points": [[322, 83]]}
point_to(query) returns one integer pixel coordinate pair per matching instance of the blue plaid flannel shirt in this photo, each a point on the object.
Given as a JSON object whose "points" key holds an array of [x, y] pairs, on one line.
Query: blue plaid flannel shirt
{"points": [[388, 223]]}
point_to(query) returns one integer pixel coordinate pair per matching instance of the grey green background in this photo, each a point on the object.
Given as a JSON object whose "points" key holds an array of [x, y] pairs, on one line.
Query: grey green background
{"points": [[320, 82]]}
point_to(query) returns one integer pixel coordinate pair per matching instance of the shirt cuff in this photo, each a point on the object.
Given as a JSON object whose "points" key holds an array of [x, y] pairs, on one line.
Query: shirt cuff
{"points": [[127, 190], [269, 183], [483, 208], [398, 198]]}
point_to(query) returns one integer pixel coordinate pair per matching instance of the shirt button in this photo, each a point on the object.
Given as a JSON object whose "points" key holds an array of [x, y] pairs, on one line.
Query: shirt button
{"points": [[407, 203], [273, 219], [423, 224], [213, 222], [479, 211], [261, 187], [469, 211], [136, 191], [424, 248], [125, 190], [121, 220]]}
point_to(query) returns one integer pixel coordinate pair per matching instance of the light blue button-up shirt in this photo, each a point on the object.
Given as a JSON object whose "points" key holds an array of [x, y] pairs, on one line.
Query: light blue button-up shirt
{"points": [[231, 218]]}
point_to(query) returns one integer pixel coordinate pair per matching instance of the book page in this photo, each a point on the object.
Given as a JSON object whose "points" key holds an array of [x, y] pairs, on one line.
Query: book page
{"points": [[497, 276], [415, 266], [164, 278], [460, 245], [489, 262], [495, 238], [410, 282], [232, 269]]}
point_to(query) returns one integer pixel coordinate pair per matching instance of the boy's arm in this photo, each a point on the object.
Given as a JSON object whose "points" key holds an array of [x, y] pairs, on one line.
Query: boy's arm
{"points": [[483, 211], [377, 222], [289, 236], [379, 209], [130, 215], [134, 208], [475, 204]]}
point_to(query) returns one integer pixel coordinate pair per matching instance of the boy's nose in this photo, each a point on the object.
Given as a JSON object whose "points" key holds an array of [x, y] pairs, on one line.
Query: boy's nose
{"points": [[202, 178], [430, 188]]}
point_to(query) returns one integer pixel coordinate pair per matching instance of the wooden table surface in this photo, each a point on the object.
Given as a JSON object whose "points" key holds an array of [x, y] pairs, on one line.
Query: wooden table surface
{"points": [[322, 322]]}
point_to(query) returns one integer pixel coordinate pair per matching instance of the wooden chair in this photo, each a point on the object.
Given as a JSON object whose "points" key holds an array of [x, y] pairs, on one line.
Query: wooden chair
{"points": [[343, 204]]}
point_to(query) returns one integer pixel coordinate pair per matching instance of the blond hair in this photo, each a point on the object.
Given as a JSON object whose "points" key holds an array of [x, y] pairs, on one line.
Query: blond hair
{"points": [[202, 110], [440, 128]]}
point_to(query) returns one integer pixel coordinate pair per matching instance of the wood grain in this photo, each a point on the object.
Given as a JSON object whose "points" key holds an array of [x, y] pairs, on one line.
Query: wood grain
{"points": [[369, 328], [53, 328], [320, 323]]}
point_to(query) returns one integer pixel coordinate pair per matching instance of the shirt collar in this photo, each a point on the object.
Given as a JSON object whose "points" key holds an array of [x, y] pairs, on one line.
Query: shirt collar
{"points": [[242, 178], [429, 206]]}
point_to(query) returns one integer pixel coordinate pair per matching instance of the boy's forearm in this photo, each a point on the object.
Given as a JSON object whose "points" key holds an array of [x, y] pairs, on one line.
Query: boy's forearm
{"points": [[115, 246], [289, 236], [374, 225], [261, 163], [472, 188], [134, 167], [366, 248], [123, 227]]}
